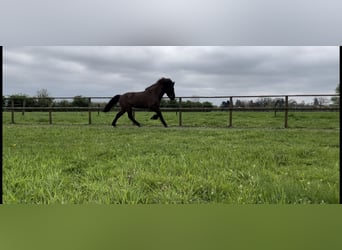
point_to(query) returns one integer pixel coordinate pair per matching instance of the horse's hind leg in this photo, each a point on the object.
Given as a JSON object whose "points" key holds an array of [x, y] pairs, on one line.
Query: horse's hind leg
{"points": [[155, 117], [130, 116], [118, 115]]}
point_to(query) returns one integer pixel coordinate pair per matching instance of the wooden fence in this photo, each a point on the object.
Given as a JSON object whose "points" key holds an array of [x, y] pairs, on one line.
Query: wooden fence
{"points": [[10, 107]]}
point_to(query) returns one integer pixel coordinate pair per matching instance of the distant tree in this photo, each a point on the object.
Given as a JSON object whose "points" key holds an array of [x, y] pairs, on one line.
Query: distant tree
{"points": [[264, 102], [80, 101], [168, 103], [187, 104], [207, 105], [225, 104], [323, 101], [336, 99], [279, 102], [173, 103], [63, 103], [292, 103], [316, 102], [195, 99], [43, 98], [19, 100], [302, 104], [320, 101], [239, 103]]}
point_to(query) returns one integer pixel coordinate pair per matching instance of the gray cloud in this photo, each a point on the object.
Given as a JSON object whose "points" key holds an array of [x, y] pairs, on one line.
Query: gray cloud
{"points": [[200, 71], [170, 22]]}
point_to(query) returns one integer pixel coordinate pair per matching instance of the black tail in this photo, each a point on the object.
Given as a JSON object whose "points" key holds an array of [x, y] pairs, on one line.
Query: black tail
{"points": [[111, 103]]}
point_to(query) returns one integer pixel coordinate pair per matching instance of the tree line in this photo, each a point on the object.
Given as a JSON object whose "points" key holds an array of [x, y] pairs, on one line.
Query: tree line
{"points": [[27, 101], [43, 99], [268, 102], [21, 100]]}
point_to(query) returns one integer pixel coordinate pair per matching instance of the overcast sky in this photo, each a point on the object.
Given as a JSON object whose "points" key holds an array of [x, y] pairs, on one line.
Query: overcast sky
{"points": [[198, 71], [170, 22]]}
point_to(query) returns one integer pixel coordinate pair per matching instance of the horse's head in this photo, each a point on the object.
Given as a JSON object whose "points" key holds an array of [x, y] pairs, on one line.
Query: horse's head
{"points": [[168, 87]]}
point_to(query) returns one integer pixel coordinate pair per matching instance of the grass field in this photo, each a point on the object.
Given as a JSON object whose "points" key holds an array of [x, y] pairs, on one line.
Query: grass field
{"points": [[310, 120], [255, 162]]}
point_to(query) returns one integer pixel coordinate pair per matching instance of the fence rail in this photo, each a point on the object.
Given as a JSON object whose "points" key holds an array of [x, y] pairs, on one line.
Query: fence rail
{"points": [[10, 106], [190, 109]]}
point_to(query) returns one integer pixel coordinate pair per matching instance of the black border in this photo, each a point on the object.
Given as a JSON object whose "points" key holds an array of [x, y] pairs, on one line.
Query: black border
{"points": [[340, 127], [2, 76]]}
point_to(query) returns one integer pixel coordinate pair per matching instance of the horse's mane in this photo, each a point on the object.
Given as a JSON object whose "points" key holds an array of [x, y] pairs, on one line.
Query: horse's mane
{"points": [[155, 85]]}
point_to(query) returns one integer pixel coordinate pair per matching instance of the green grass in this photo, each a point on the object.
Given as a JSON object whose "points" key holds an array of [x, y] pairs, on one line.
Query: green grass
{"points": [[65, 163], [189, 119]]}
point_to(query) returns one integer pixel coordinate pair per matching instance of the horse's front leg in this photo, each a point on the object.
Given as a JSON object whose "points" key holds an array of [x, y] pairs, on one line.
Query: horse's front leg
{"points": [[159, 114]]}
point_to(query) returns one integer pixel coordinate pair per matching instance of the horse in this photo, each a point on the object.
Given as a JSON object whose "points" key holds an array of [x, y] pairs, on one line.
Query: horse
{"points": [[150, 99]]}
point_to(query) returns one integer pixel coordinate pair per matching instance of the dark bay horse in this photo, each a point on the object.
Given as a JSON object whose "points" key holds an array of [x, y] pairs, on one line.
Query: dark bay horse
{"points": [[150, 99]]}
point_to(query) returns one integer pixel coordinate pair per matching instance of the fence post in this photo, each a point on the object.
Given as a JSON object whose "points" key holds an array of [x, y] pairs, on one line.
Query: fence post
{"points": [[12, 113], [230, 112], [286, 110], [89, 110], [24, 104], [180, 112], [50, 112]]}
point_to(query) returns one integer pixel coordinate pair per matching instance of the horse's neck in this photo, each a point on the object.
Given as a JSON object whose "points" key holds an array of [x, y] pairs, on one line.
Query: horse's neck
{"points": [[158, 89], [161, 93]]}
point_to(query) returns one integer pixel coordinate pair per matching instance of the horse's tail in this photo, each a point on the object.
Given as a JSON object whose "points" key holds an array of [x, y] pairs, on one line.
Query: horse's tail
{"points": [[111, 103]]}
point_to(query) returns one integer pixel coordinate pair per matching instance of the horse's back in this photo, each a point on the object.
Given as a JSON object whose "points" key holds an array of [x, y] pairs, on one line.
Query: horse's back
{"points": [[135, 99]]}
